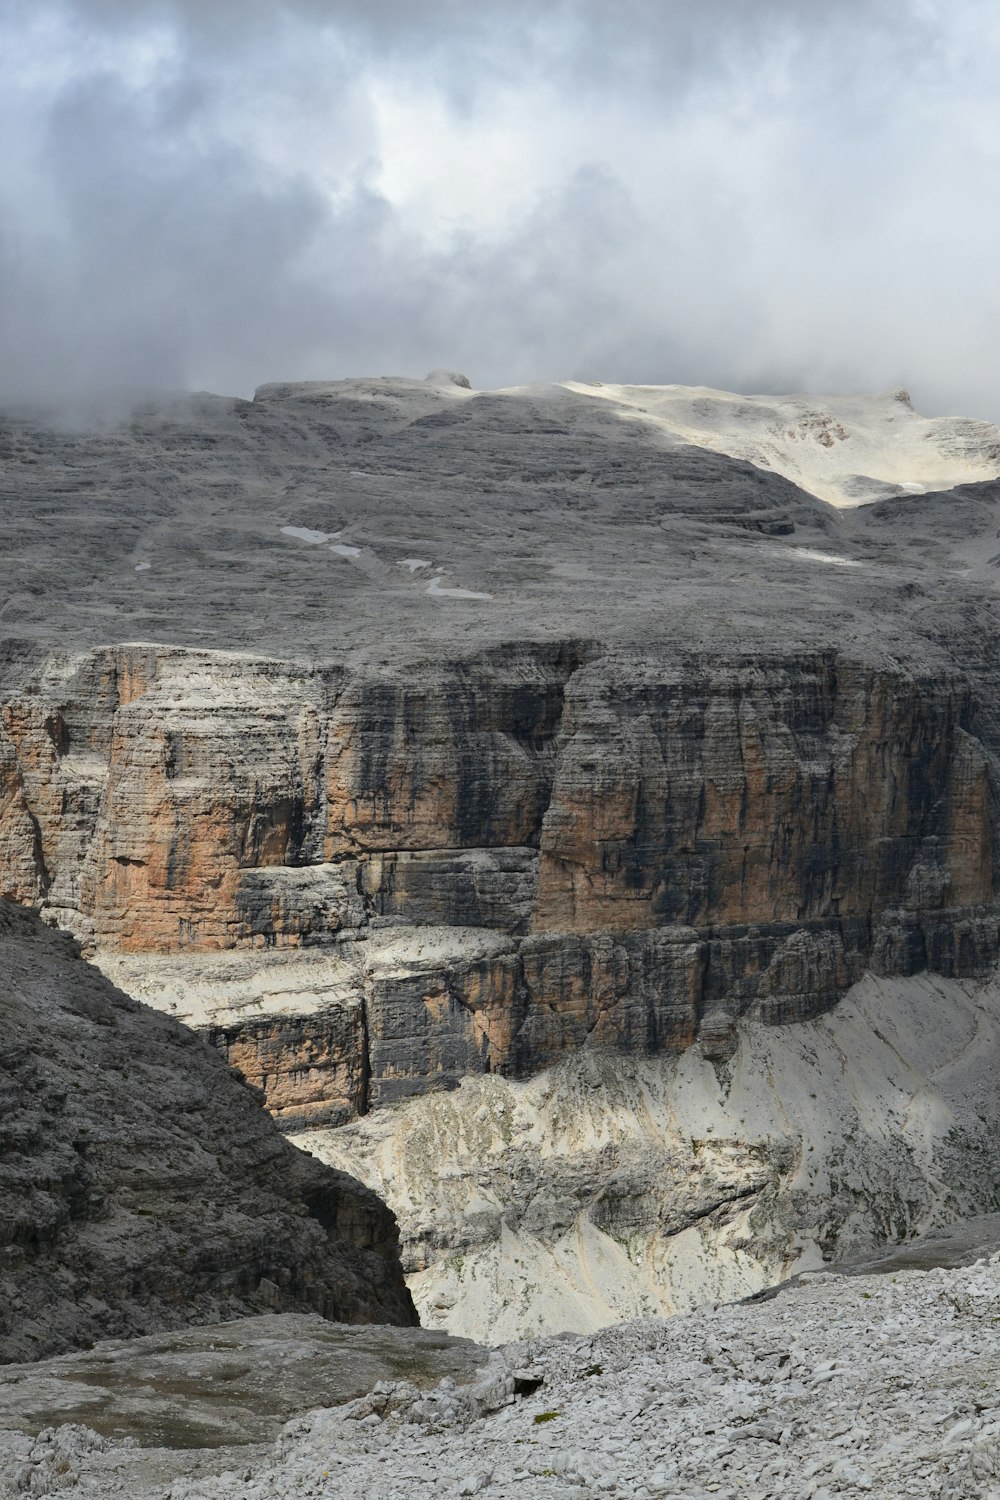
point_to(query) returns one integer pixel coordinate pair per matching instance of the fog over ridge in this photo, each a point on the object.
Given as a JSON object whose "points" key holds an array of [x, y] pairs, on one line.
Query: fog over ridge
{"points": [[767, 197]]}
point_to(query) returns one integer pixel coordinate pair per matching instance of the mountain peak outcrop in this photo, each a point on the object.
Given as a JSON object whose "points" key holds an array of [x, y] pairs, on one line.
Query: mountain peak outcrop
{"points": [[393, 732]]}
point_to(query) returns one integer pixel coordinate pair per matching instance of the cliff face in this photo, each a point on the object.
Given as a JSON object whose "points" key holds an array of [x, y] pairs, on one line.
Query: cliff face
{"points": [[143, 1187], [485, 727], [506, 858]]}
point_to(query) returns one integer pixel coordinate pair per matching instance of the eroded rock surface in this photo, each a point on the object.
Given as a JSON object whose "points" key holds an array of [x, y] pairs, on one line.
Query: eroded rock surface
{"points": [[616, 853], [394, 732], [618, 1187], [143, 1187], [228, 1384], [880, 1386]]}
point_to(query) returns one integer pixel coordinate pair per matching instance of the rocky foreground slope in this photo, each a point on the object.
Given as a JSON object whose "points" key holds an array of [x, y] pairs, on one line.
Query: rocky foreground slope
{"points": [[877, 1386], [143, 1187]]}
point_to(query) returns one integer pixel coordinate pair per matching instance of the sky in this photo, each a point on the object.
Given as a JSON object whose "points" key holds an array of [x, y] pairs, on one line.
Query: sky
{"points": [[759, 195]]}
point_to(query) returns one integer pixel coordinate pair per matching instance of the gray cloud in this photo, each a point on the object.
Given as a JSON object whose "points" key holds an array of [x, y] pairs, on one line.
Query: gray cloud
{"points": [[650, 43], [771, 195]]}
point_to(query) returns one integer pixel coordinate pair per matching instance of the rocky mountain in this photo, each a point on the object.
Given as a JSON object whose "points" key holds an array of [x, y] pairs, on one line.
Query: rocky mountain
{"points": [[143, 1187], [849, 450], [395, 733]]}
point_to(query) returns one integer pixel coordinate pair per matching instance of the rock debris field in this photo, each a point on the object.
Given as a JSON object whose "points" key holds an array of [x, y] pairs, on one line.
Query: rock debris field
{"points": [[875, 1385]]}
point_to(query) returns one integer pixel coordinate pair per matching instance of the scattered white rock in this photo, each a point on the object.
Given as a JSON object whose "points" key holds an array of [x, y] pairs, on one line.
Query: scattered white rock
{"points": [[306, 534], [880, 1387], [435, 588]]}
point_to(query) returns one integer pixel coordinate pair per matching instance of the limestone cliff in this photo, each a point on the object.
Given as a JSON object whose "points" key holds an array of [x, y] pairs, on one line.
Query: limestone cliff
{"points": [[528, 851], [485, 727], [143, 1187]]}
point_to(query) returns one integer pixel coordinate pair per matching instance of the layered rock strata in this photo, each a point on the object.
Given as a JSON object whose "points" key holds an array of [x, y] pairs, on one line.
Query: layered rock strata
{"points": [[526, 852], [488, 726], [143, 1187]]}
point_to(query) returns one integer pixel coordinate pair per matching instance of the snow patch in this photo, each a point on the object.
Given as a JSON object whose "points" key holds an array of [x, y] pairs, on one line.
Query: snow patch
{"points": [[823, 557], [342, 550], [415, 564], [824, 445]]}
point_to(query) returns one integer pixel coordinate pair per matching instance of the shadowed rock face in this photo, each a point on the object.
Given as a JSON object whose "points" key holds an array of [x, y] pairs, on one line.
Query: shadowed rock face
{"points": [[142, 1187], [686, 745]]}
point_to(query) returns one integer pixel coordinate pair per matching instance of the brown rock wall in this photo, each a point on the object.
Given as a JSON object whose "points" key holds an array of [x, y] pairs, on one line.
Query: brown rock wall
{"points": [[199, 792], [664, 846], [454, 759], [769, 792], [312, 1069]]}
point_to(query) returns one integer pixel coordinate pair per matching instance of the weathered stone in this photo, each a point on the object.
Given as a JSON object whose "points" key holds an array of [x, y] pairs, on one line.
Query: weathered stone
{"points": [[461, 758], [432, 1019], [638, 992], [143, 1187], [311, 1069], [692, 742], [455, 887], [291, 1020], [211, 773], [764, 791], [658, 851], [283, 906], [122, 1384]]}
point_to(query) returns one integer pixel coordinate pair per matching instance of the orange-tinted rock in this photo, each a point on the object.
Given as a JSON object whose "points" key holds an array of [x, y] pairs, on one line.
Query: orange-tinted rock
{"points": [[758, 793], [211, 775], [311, 1068], [647, 849]]}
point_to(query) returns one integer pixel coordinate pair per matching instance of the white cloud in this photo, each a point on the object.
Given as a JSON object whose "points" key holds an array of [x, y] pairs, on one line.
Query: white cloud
{"points": [[763, 196]]}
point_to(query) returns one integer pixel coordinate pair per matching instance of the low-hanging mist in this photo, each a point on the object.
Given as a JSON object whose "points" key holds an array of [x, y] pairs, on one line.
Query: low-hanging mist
{"points": [[768, 197]]}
